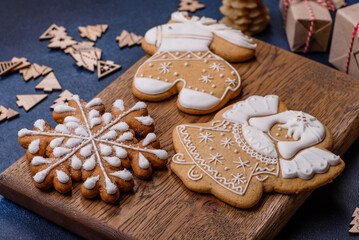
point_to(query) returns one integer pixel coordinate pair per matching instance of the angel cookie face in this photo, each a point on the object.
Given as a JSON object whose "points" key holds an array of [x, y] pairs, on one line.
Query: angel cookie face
{"points": [[96, 147], [189, 58], [255, 146]]}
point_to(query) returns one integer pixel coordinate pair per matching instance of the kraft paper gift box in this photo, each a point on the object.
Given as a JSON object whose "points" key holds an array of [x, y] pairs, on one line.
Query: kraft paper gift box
{"points": [[297, 24], [345, 41]]}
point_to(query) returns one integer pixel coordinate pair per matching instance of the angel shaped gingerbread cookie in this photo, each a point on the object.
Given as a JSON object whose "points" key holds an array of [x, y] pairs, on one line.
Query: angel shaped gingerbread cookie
{"points": [[255, 146], [189, 58]]}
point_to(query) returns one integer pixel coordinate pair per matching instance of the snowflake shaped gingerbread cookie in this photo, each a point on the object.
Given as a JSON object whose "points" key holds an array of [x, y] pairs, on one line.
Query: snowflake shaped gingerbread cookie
{"points": [[255, 146], [190, 57], [96, 147]]}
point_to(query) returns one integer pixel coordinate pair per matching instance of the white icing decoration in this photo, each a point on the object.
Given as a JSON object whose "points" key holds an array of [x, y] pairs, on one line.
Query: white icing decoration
{"points": [[227, 143], [76, 163], [62, 129], [81, 132], [94, 113], [34, 146], [72, 125], [62, 176], [105, 150], [86, 151], [71, 119], [113, 161], [121, 126], [40, 124], [56, 142], [142, 161], [119, 105], [151, 137], [259, 141], [216, 67], [112, 134], [251, 107], [120, 152], [60, 151], [123, 174], [90, 163], [90, 182], [23, 132], [139, 106], [107, 117], [110, 187], [94, 102], [73, 142], [145, 120], [37, 160], [306, 130], [95, 121], [127, 136], [64, 109], [308, 162]]}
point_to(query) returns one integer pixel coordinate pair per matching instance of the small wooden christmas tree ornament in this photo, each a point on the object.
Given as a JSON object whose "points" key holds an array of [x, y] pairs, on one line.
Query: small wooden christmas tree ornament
{"points": [[128, 39], [3, 113], [61, 42], [249, 16], [49, 33], [29, 101], [190, 5], [105, 68], [92, 32], [355, 222], [6, 67], [49, 83], [63, 98], [23, 63], [34, 71], [11, 113]]}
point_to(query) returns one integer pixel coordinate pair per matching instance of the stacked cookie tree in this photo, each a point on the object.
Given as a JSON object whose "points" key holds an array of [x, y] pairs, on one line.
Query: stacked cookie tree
{"points": [[249, 16]]}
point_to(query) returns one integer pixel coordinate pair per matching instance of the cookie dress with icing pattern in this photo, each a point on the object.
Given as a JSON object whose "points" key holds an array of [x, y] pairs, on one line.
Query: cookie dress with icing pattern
{"points": [[254, 146], [184, 63]]}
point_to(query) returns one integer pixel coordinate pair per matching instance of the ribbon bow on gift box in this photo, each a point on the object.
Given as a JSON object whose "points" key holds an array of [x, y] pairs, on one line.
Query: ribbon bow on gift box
{"points": [[325, 3]]}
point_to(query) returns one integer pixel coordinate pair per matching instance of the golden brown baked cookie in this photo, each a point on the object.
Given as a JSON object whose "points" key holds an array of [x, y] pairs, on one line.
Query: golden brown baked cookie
{"points": [[93, 146], [189, 58], [255, 146]]}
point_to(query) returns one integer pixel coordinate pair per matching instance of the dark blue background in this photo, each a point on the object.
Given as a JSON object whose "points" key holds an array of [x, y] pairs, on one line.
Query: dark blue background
{"points": [[325, 215]]}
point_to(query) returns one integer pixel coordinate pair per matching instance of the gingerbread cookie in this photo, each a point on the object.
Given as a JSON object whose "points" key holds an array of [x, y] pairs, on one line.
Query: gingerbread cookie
{"points": [[93, 146], [255, 146], [189, 58]]}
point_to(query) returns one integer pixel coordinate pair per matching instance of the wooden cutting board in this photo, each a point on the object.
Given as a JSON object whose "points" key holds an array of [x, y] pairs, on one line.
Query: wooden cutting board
{"points": [[163, 207]]}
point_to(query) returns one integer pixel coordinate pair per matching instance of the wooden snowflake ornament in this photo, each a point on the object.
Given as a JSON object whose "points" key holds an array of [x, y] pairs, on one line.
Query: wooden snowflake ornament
{"points": [[96, 147]]}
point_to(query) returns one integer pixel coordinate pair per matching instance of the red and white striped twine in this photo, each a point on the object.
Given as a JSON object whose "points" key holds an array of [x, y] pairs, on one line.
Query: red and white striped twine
{"points": [[355, 31], [325, 3]]}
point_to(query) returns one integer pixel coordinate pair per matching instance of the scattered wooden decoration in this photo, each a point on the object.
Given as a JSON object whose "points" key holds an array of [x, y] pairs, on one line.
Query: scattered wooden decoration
{"points": [[61, 42], [11, 113], [355, 222], [29, 101], [128, 39], [63, 98], [190, 5], [49, 33], [6, 67], [49, 83], [85, 59], [105, 68], [34, 71], [92, 32], [23, 63], [3, 113], [79, 46]]}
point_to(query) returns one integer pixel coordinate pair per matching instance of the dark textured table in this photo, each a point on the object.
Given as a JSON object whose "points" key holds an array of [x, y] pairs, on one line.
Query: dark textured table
{"points": [[325, 215]]}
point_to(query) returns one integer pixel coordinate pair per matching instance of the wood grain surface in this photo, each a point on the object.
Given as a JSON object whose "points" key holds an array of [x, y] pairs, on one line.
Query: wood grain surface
{"points": [[163, 208]]}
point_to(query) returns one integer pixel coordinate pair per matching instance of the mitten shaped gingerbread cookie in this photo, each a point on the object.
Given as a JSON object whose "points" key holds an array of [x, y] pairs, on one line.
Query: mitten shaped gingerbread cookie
{"points": [[189, 58], [255, 146], [93, 146]]}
